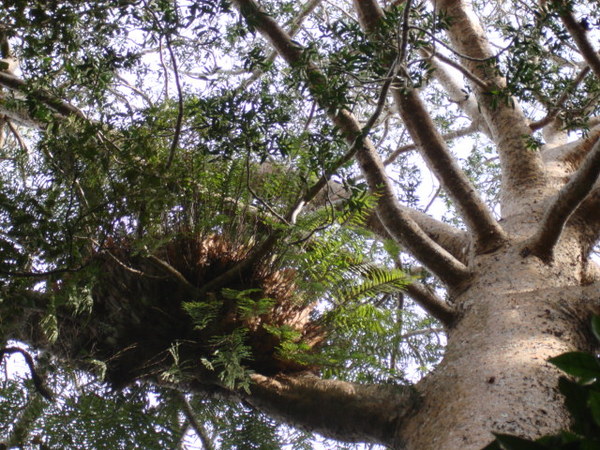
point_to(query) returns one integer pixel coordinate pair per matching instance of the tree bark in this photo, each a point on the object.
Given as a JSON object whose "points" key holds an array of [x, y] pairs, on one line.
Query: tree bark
{"points": [[495, 376]]}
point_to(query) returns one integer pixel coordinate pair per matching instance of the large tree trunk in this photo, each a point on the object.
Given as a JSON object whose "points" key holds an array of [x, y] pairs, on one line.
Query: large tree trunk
{"points": [[521, 289], [495, 376]]}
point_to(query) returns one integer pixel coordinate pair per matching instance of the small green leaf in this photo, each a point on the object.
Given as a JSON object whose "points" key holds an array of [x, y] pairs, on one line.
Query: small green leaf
{"points": [[576, 397], [578, 364], [594, 403]]}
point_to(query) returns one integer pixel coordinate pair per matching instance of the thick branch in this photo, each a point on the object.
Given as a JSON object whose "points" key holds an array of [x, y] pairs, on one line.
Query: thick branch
{"points": [[400, 225], [487, 232], [587, 219], [18, 115], [292, 30], [14, 83], [573, 153], [431, 303], [454, 241], [566, 202], [579, 35], [507, 123], [336, 409]]}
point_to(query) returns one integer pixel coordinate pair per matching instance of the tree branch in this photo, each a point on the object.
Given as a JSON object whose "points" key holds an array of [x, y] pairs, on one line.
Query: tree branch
{"points": [[587, 220], [579, 35], [459, 95], [454, 241], [200, 430], [447, 137], [180, 111], [556, 106], [294, 27], [508, 125], [336, 409], [431, 303], [474, 78], [35, 377], [400, 225], [487, 232], [60, 106], [573, 153], [566, 202], [19, 114]]}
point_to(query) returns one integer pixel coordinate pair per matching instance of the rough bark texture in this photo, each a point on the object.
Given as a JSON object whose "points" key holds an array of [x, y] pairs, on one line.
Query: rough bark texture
{"points": [[521, 289], [494, 376], [517, 310]]}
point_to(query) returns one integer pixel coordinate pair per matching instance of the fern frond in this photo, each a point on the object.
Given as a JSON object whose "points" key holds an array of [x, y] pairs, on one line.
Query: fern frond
{"points": [[370, 281]]}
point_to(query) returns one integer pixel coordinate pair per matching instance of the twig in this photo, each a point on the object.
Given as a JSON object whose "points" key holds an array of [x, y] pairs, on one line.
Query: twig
{"points": [[420, 332], [179, 120], [17, 136], [435, 195], [556, 107], [448, 136], [256, 196], [40, 274], [134, 89], [174, 272], [125, 266]]}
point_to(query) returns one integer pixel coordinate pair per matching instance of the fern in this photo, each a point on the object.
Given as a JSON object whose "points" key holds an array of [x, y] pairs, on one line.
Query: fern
{"points": [[202, 313], [370, 280], [228, 359]]}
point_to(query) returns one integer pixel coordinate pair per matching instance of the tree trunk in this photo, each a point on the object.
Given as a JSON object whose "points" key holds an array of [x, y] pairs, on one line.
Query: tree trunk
{"points": [[494, 377]]}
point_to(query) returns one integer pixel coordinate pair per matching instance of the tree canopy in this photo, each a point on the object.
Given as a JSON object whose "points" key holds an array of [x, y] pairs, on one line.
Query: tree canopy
{"points": [[201, 199]]}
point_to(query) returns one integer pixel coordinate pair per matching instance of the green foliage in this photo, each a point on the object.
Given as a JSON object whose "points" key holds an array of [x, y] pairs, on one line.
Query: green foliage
{"points": [[228, 360], [202, 313], [582, 399], [247, 306], [90, 417]]}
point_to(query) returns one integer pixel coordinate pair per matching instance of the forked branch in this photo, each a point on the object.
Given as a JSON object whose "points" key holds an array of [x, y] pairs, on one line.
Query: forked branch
{"points": [[566, 202], [395, 219], [487, 232], [454, 241], [575, 152]]}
